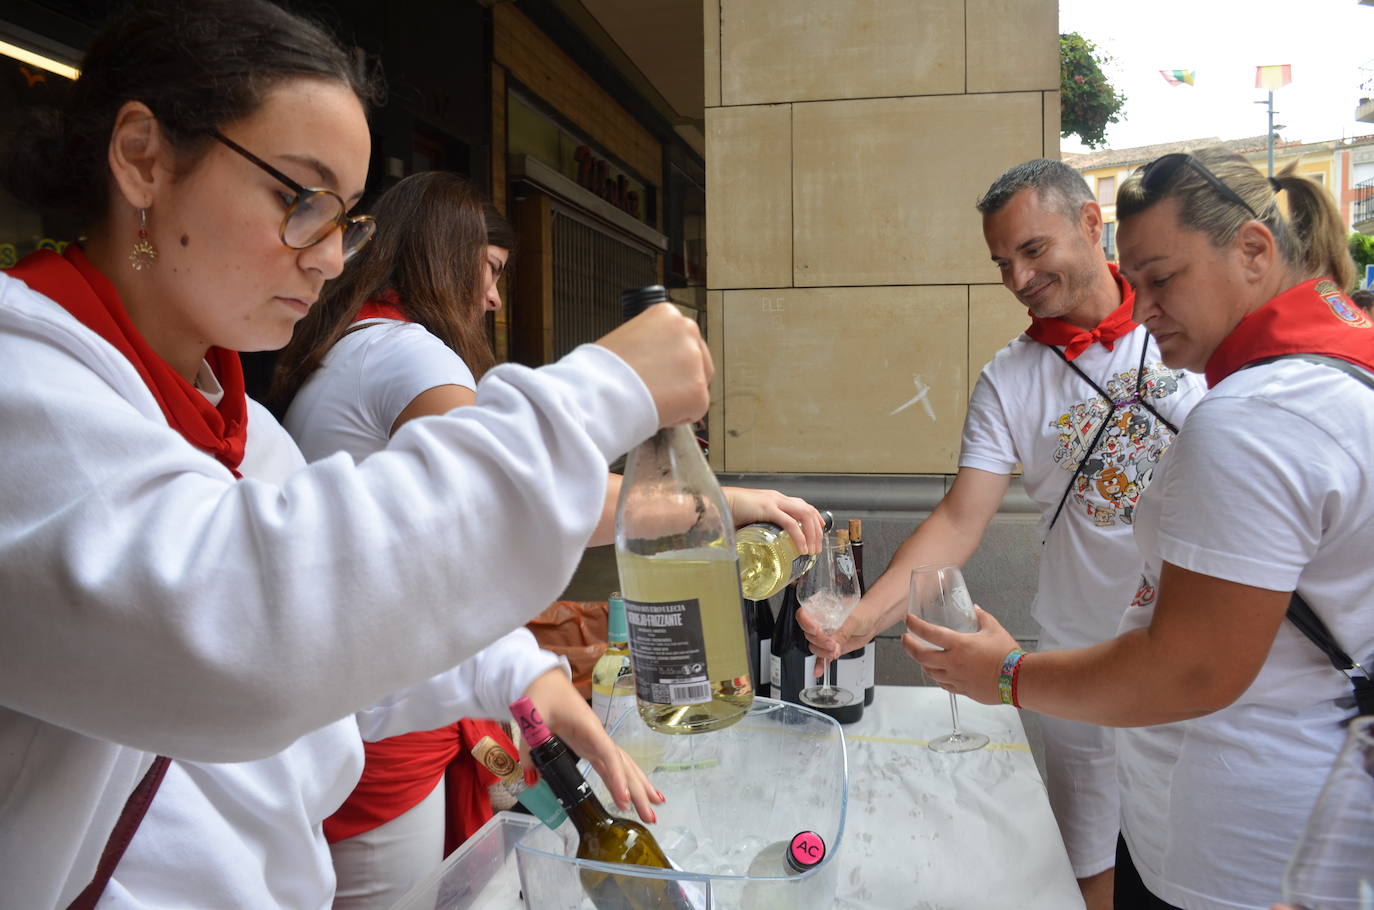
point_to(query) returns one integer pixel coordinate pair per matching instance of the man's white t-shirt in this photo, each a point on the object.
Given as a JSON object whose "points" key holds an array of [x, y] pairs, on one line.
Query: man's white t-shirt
{"points": [[1269, 485], [1031, 408]]}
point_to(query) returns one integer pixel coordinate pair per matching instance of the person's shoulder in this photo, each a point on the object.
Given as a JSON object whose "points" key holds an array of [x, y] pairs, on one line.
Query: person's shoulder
{"points": [[21, 307], [1016, 357]]}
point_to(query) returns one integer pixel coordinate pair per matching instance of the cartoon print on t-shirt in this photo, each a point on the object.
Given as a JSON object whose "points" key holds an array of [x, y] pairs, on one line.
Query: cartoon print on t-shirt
{"points": [[1119, 468]]}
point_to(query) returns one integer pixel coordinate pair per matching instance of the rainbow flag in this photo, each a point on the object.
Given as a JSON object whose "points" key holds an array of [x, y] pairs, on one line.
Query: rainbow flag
{"points": [[1179, 77], [1272, 77]]}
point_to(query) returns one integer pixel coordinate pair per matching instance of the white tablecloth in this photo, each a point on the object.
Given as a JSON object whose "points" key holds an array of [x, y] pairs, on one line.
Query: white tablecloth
{"points": [[932, 831], [923, 830]]}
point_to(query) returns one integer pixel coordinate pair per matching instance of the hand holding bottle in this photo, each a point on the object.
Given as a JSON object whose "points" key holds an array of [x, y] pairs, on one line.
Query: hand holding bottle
{"points": [[601, 836], [570, 717], [667, 351], [796, 516]]}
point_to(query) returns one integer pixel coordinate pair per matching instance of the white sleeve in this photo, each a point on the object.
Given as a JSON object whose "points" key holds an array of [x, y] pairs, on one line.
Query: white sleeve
{"points": [[987, 442], [400, 362], [481, 686], [150, 600], [1246, 490]]}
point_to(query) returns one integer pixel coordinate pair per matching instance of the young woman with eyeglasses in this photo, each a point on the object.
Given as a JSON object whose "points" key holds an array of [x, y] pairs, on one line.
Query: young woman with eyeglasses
{"points": [[157, 605], [1234, 715]]}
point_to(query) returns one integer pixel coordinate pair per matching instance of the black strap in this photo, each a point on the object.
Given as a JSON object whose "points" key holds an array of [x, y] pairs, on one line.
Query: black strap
{"points": [[1337, 363], [1113, 406], [129, 819], [1299, 612], [1312, 626]]}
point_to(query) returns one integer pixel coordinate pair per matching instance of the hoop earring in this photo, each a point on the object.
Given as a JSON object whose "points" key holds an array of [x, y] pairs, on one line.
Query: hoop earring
{"points": [[143, 255]]}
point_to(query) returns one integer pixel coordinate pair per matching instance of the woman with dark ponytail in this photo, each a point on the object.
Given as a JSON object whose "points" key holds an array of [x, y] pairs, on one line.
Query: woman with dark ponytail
{"points": [[210, 649], [1263, 509]]}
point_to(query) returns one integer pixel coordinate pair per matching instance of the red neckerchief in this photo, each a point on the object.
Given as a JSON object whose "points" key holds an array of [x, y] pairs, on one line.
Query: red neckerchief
{"points": [[1076, 340], [386, 305], [80, 288], [1314, 317]]}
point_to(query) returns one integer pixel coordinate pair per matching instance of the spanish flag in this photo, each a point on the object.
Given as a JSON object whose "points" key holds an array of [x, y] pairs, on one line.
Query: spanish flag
{"points": [[1272, 77], [1179, 77]]}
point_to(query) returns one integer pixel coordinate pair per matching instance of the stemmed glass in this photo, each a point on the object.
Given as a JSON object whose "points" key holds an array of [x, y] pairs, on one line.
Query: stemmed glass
{"points": [[1333, 865], [938, 596], [828, 593]]}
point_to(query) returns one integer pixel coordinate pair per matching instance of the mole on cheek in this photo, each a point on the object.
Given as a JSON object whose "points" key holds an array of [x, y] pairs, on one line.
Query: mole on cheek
{"points": [[185, 240]]}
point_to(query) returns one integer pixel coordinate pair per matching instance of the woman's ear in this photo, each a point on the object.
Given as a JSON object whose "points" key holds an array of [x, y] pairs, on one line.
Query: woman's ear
{"points": [[1257, 249], [136, 145]]}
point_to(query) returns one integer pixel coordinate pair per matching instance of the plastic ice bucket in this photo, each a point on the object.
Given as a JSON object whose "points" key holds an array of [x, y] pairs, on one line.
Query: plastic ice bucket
{"points": [[480, 874], [731, 794]]}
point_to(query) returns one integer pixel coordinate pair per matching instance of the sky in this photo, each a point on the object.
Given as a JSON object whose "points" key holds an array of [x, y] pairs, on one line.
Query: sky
{"points": [[1325, 41]]}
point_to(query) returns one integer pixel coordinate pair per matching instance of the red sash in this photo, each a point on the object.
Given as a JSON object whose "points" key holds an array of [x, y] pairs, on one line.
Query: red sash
{"points": [[386, 305], [79, 287], [1074, 339], [1314, 317], [400, 772]]}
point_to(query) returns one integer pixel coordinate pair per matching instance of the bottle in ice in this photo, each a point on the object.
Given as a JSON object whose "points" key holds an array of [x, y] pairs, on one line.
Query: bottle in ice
{"points": [[786, 858], [769, 559], [601, 836], [613, 679], [539, 799], [679, 577]]}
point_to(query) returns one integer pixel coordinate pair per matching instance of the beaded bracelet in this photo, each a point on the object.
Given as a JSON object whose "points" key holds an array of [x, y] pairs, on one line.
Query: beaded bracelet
{"points": [[1015, 680], [1006, 678]]}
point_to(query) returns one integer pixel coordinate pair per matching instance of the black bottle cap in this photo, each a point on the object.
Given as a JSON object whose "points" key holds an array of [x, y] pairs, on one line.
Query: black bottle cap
{"points": [[636, 300]]}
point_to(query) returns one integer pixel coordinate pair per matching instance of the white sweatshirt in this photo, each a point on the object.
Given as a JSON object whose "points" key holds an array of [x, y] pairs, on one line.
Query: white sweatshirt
{"points": [[150, 603]]}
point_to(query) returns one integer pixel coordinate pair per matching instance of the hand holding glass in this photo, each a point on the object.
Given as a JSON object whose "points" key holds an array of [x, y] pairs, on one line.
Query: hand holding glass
{"points": [[828, 594], [938, 596], [1333, 865]]}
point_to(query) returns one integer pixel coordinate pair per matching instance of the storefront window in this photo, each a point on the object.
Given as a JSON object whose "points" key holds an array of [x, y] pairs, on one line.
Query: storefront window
{"points": [[23, 230], [686, 210], [534, 133]]}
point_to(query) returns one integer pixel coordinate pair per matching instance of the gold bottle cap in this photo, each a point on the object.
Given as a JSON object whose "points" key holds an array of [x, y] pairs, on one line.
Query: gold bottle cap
{"points": [[497, 760]]}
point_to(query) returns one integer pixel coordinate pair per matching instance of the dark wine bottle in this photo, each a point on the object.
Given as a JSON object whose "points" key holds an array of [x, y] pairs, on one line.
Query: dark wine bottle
{"points": [[761, 626], [792, 663], [601, 836], [856, 545]]}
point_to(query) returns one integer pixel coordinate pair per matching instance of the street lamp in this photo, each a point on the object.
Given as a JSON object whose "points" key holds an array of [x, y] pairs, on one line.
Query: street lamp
{"points": [[1272, 127]]}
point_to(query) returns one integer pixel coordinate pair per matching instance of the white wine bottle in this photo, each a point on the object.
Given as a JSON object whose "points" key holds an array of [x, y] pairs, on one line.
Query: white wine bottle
{"points": [[613, 679], [769, 559], [601, 836], [679, 576]]}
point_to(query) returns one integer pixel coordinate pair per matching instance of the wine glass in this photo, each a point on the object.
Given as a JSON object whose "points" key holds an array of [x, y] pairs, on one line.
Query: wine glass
{"points": [[828, 593], [938, 595], [1333, 865]]}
